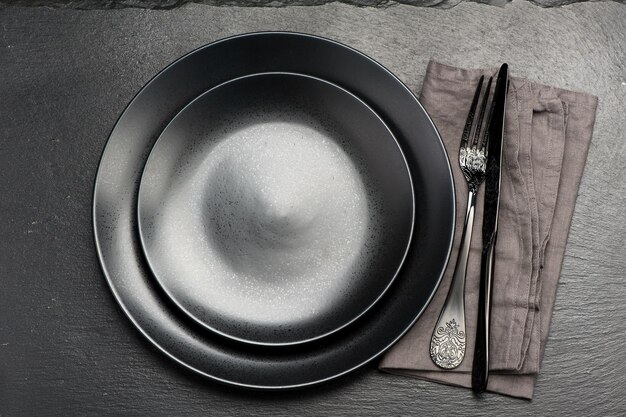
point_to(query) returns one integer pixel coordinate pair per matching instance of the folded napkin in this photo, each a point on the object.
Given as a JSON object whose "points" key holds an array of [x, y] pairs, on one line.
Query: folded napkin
{"points": [[547, 136]]}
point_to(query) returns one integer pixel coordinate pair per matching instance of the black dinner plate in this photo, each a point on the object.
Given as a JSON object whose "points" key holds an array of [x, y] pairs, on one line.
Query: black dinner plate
{"points": [[275, 208], [206, 352]]}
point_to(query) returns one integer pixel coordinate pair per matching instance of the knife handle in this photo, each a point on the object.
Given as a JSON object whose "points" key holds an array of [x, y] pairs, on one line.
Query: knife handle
{"points": [[480, 365]]}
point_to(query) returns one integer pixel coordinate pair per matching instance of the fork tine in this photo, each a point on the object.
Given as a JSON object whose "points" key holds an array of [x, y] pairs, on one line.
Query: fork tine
{"points": [[470, 116], [479, 124]]}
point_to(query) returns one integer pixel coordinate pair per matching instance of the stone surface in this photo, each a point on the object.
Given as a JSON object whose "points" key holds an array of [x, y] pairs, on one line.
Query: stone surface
{"points": [[66, 348], [171, 4]]}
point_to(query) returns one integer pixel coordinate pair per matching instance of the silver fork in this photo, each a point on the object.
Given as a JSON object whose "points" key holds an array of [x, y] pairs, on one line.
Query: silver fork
{"points": [[447, 344]]}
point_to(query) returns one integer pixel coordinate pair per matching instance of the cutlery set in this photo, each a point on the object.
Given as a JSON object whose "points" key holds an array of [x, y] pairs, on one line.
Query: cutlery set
{"points": [[480, 158]]}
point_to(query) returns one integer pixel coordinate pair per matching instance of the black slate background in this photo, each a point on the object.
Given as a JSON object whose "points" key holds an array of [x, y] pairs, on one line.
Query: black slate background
{"points": [[65, 346]]}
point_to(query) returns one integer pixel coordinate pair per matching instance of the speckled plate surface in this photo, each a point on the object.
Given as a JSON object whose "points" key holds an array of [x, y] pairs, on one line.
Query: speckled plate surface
{"points": [[275, 208], [204, 351]]}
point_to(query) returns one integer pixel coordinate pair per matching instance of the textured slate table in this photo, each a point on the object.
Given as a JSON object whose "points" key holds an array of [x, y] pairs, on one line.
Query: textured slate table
{"points": [[65, 76]]}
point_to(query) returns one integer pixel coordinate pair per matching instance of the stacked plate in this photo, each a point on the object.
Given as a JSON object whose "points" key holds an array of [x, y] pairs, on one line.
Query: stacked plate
{"points": [[274, 210]]}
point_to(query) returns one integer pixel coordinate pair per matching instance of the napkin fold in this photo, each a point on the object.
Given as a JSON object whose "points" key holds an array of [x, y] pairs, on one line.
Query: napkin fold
{"points": [[547, 135]]}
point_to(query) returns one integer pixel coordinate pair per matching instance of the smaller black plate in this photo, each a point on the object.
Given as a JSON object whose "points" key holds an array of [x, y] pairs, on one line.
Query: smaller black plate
{"points": [[276, 208]]}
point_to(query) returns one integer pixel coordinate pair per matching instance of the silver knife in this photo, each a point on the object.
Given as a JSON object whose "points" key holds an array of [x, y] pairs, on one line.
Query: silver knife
{"points": [[480, 366]]}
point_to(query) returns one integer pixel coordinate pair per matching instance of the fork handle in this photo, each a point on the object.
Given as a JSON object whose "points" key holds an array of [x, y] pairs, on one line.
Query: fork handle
{"points": [[447, 344]]}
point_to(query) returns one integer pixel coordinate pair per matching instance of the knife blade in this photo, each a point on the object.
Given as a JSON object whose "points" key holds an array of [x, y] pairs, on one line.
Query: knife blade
{"points": [[480, 366]]}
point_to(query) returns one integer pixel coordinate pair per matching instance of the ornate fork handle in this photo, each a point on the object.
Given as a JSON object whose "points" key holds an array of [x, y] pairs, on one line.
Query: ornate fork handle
{"points": [[447, 345]]}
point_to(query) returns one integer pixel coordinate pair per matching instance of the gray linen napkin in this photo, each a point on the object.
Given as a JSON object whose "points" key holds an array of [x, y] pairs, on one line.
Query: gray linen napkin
{"points": [[547, 136]]}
